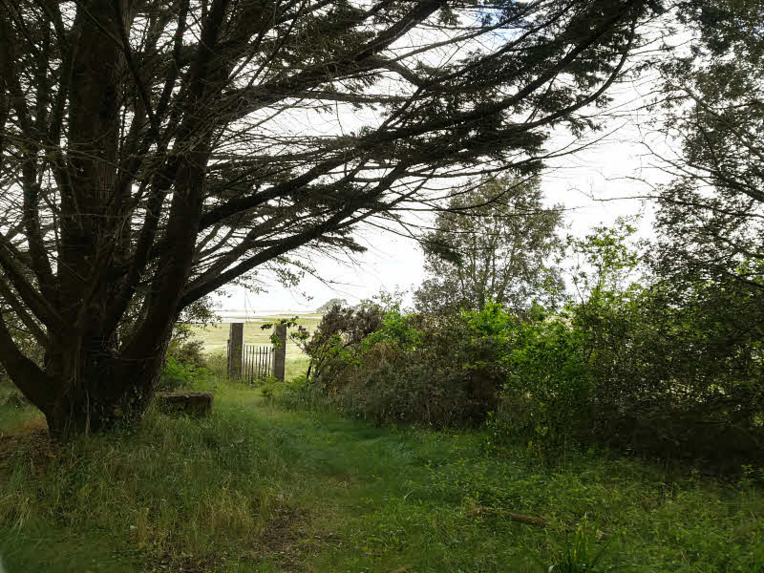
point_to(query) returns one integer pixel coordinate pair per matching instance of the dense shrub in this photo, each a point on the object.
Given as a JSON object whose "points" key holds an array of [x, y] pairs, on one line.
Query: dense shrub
{"points": [[629, 368], [389, 383], [303, 393], [678, 374], [338, 337], [665, 368], [459, 368], [389, 367], [184, 362], [547, 398], [436, 370], [190, 352]]}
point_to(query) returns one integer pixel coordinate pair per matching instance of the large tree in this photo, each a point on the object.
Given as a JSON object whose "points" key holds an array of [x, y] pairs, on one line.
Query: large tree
{"points": [[496, 241], [154, 151], [712, 212]]}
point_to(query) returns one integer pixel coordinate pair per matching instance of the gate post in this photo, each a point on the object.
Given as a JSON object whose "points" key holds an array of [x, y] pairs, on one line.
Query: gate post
{"points": [[279, 354], [235, 348]]}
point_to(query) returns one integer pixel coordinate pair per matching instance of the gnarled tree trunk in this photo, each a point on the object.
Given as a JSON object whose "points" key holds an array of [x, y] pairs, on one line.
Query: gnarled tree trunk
{"points": [[95, 388]]}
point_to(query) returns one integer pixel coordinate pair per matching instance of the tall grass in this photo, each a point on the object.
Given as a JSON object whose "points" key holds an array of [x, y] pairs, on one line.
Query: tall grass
{"points": [[259, 488], [180, 489]]}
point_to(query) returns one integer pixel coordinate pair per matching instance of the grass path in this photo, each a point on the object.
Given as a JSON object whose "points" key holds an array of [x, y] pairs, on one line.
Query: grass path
{"points": [[259, 488]]}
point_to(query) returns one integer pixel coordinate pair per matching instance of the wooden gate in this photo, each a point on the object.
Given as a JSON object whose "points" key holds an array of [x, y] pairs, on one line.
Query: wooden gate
{"points": [[257, 363], [251, 362]]}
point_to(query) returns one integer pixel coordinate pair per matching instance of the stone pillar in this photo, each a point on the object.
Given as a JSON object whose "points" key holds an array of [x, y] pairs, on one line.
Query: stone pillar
{"points": [[235, 348], [279, 358]]}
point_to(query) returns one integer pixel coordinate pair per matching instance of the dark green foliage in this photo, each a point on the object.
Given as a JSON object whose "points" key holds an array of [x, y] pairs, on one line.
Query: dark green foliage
{"points": [[676, 365], [406, 370], [679, 378], [678, 359], [670, 370], [713, 112], [455, 371], [189, 352], [175, 375], [547, 397], [338, 336], [495, 241]]}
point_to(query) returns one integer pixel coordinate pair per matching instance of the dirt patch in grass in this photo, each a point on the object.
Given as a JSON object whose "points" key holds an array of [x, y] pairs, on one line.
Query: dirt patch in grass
{"points": [[343, 481], [284, 542], [182, 564], [287, 537], [32, 445]]}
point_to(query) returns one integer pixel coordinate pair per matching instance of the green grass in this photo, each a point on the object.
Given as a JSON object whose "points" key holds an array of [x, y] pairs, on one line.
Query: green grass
{"points": [[15, 415], [259, 488]]}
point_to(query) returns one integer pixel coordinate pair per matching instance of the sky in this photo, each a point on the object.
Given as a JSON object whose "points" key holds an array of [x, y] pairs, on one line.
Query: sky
{"points": [[590, 185]]}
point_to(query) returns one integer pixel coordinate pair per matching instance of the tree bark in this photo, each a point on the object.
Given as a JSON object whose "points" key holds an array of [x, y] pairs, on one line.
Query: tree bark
{"points": [[94, 389]]}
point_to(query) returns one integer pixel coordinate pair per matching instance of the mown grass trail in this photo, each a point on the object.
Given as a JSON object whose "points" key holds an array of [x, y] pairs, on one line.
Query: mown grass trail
{"points": [[259, 488]]}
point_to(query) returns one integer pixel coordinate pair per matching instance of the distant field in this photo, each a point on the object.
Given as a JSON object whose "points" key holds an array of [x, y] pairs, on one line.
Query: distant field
{"points": [[215, 338]]}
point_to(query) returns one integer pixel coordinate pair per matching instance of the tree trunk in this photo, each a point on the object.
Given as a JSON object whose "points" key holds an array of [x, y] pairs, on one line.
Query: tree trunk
{"points": [[93, 389]]}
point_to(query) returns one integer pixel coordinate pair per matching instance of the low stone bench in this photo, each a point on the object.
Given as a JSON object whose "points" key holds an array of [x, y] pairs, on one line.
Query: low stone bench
{"points": [[197, 404]]}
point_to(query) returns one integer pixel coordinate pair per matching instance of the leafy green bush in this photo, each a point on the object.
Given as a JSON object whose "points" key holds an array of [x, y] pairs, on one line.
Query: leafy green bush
{"points": [[184, 363], [676, 362], [669, 369], [189, 352], [217, 364], [439, 372], [392, 385], [338, 337], [303, 393], [456, 370], [399, 330], [629, 367], [176, 375], [547, 397], [270, 387], [678, 378]]}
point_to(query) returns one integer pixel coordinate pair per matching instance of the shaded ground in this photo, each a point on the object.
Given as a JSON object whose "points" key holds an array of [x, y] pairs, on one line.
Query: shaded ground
{"points": [[258, 488]]}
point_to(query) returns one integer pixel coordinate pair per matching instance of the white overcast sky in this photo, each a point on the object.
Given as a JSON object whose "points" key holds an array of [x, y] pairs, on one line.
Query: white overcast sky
{"points": [[393, 262], [604, 170]]}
